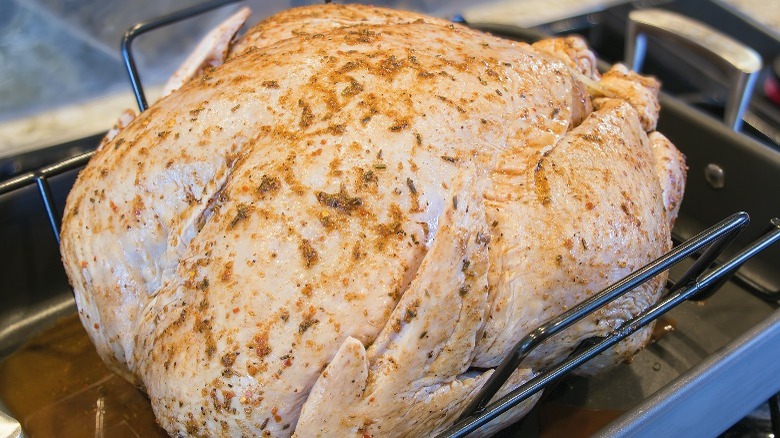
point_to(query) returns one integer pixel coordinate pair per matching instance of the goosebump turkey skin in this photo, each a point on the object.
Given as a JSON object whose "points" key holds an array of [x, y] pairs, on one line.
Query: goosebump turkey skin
{"points": [[341, 229]]}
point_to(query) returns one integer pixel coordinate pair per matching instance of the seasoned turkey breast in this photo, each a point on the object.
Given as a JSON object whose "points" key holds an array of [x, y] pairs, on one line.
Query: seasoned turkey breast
{"points": [[342, 228]]}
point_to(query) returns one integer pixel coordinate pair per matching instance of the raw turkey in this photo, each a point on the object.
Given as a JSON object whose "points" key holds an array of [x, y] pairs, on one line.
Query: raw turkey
{"points": [[342, 229]]}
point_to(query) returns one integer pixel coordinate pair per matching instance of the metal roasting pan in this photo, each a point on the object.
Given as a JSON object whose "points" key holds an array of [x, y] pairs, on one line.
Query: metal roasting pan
{"points": [[717, 365]]}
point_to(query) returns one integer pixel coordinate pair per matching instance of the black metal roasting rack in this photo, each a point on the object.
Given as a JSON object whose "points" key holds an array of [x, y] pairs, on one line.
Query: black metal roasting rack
{"points": [[702, 279]]}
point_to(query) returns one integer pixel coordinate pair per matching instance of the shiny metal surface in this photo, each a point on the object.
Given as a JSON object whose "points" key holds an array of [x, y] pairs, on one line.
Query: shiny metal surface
{"points": [[714, 394], [9, 427], [740, 63]]}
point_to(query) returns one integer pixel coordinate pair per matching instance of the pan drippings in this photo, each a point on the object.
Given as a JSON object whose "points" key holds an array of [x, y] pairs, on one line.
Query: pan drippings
{"points": [[56, 385]]}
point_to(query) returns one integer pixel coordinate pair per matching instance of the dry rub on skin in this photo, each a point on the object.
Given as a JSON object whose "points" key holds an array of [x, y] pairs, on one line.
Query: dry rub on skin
{"points": [[338, 230]]}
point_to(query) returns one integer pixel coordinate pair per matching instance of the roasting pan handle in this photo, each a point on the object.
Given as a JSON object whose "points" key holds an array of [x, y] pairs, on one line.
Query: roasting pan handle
{"points": [[740, 63]]}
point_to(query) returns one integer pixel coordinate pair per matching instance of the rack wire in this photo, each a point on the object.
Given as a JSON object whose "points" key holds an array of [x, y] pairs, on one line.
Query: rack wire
{"points": [[148, 26], [702, 279], [695, 283]]}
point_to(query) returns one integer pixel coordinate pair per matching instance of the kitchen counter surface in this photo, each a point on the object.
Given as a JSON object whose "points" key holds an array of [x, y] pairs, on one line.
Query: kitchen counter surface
{"points": [[61, 72], [764, 12]]}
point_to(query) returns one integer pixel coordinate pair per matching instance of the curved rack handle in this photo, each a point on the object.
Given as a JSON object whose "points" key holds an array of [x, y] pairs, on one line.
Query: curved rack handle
{"points": [[740, 62], [699, 279], [141, 28]]}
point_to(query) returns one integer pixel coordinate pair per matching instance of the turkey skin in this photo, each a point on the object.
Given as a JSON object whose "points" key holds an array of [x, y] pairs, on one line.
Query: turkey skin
{"points": [[342, 229]]}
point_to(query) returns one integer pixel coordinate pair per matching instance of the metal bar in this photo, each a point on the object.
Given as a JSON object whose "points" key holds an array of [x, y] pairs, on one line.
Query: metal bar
{"points": [[40, 176], [141, 28], [771, 233], [704, 262], [17, 182], [768, 239], [741, 63], [714, 234], [28, 178], [756, 289], [774, 224], [747, 283], [472, 423], [40, 179], [48, 202]]}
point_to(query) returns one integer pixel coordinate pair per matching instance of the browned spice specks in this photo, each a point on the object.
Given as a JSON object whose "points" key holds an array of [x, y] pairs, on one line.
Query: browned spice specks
{"points": [[352, 89], [309, 254], [268, 184], [228, 359], [227, 272], [410, 184], [305, 324], [399, 125], [260, 344], [340, 201], [368, 177], [356, 251], [242, 212], [307, 116]]}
